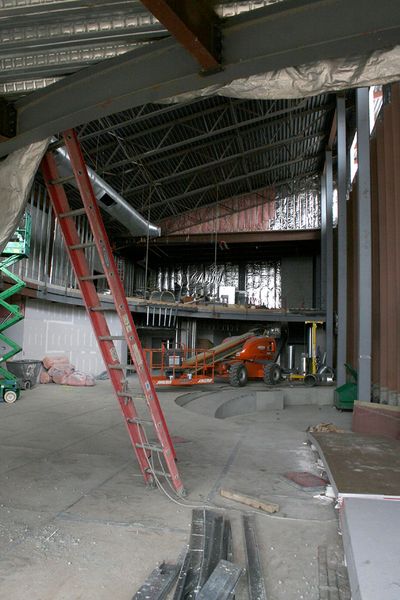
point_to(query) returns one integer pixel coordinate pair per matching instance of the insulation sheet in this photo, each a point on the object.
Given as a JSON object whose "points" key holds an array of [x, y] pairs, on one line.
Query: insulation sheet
{"points": [[262, 281], [17, 172], [380, 67]]}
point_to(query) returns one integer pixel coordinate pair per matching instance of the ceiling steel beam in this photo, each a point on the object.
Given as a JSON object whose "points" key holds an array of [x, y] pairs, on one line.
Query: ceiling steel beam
{"points": [[139, 117], [237, 178], [216, 132], [281, 35], [226, 139], [45, 45], [232, 157], [243, 237], [308, 180], [220, 108], [194, 24], [26, 10]]}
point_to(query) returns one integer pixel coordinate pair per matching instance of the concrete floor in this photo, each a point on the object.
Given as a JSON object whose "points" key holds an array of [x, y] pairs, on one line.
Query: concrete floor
{"points": [[77, 522]]}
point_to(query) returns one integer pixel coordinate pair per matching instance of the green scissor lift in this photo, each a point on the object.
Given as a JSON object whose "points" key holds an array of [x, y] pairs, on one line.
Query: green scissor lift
{"points": [[17, 249]]}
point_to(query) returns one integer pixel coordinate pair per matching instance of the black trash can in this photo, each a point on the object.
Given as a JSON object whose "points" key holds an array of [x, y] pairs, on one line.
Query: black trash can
{"points": [[27, 372]]}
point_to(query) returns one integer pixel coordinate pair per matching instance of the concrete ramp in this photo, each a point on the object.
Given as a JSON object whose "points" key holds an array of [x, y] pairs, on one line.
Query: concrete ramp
{"points": [[230, 402]]}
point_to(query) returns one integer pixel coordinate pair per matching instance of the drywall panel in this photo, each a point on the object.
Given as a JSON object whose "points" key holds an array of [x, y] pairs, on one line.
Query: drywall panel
{"points": [[53, 328]]}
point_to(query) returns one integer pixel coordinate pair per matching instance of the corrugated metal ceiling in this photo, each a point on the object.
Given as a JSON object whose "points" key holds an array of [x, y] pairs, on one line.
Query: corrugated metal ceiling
{"points": [[176, 158], [164, 159], [43, 40]]}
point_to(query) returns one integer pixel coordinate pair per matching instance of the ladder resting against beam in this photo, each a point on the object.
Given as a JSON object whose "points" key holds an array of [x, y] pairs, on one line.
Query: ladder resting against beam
{"points": [[146, 451]]}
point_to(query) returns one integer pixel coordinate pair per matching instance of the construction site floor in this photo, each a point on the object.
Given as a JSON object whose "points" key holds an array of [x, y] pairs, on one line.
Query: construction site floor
{"points": [[76, 520]]}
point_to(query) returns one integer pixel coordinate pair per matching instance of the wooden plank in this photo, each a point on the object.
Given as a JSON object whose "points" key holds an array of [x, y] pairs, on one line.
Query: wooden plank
{"points": [[268, 507]]}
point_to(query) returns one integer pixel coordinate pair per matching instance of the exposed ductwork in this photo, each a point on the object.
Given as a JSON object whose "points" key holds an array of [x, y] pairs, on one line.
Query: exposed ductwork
{"points": [[109, 200]]}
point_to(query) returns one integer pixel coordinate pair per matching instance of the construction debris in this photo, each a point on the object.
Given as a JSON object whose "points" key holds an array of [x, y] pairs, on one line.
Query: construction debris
{"points": [[205, 573], [325, 427], [205, 550], [268, 507]]}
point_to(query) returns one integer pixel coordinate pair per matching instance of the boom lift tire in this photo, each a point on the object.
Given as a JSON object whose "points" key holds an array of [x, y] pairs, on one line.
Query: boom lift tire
{"points": [[238, 375], [272, 373]]}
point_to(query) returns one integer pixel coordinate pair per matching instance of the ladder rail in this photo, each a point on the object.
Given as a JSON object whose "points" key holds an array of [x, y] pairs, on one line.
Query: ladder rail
{"points": [[100, 238], [90, 297], [75, 249]]}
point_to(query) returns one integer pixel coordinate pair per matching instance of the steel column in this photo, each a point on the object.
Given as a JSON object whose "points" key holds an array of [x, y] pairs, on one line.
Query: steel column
{"points": [[396, 161], [323, 241], [342, 241], [364, 246], [329, 257], [391, 162]]}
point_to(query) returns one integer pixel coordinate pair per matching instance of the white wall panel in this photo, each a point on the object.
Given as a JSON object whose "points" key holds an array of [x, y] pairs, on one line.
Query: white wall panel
{"points": [[53, 328]]}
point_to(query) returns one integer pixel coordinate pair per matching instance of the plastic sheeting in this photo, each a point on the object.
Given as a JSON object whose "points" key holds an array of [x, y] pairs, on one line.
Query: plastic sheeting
{"points": [[262, 281], [324, 76], [17, 173]]}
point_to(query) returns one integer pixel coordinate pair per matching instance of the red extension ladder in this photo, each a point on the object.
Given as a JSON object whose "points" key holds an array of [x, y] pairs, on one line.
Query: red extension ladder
{"points": [[145, 450]]}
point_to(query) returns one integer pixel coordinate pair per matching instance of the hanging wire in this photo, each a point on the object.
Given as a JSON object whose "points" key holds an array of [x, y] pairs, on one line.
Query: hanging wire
{"points": [[215, 245], [147, 245]]}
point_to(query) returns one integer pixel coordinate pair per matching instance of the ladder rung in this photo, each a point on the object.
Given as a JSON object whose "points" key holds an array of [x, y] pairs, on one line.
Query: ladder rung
{"points": [[161, 473], [62, 180], [130, 395], [110, 338], [72, 213], [139, 421], [82, 246], [122, 366], [102, 308], [93, 277], [150, 447], [55, 145]]}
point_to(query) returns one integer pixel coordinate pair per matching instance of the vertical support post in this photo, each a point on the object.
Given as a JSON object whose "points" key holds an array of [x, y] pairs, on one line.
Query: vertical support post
{"points": [[342, 241], [242, 277], [329, 257], [364, 246], [323, 242]]}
